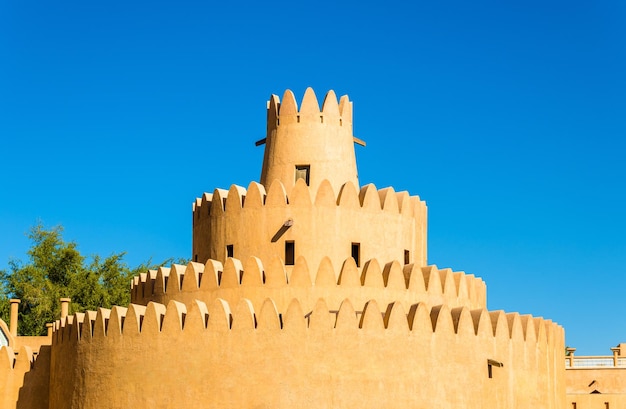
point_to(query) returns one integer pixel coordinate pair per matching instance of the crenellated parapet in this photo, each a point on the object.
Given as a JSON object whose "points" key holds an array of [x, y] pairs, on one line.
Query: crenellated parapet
{"points": [[318, 222], [221, 316], [332, 112], [256, 281], [432, 354]]}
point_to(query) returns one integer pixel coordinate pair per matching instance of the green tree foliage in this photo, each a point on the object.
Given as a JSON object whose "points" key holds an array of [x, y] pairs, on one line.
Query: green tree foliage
{"points": [[56, 269]]}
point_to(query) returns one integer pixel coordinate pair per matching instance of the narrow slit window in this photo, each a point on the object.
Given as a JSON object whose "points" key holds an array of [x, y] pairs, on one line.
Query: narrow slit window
{"points": [[290, 253], [195, 258], [407, 256], [356, 253], [230, 251], [302, 172]]}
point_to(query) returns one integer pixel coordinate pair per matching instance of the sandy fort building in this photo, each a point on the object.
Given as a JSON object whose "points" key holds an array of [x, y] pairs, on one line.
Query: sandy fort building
{"points": [[306, 290]]}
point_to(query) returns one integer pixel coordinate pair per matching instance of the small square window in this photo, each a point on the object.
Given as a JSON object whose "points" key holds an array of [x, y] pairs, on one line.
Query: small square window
{"points": [[302, 172]]}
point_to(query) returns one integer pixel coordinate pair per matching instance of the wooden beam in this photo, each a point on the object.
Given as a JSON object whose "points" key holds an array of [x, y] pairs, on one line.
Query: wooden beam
{"points": [[260, 142], [358, 141], [493, 362]]}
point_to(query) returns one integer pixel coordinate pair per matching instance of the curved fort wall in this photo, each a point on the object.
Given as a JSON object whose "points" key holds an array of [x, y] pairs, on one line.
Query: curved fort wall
{"points": [[225, 355], [383, 223], [256, 281]]}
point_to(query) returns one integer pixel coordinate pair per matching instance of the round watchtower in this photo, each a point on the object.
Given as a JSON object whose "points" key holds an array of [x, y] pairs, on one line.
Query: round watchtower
{"points": [[309, 144], [309, 202]]}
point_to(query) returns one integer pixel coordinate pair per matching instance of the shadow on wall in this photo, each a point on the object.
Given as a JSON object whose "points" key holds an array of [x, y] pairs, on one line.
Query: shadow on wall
{"points": [[34, 393]]}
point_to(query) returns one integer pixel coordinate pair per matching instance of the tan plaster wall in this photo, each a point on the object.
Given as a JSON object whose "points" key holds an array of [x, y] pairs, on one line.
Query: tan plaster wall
{"points": [[34, 343], [325, 224], [256, 281], [246, 358]]}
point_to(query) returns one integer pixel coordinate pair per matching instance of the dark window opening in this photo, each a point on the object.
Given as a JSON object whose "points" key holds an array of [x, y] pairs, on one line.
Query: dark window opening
{"points": [[302, 172], [356, 253], [290, 253], [490, 370], [407, 256], [230, 251], [573, 405], [195, 258]]}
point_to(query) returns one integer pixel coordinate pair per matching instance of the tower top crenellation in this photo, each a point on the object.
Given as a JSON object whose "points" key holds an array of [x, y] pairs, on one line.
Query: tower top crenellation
{"points": [[333, 112], [309, 143]]}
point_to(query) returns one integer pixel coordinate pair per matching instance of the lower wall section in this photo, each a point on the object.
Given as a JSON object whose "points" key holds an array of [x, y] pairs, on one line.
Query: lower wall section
{"points": [[596, 401], [604, 380], [233, 357], [596, 387]]}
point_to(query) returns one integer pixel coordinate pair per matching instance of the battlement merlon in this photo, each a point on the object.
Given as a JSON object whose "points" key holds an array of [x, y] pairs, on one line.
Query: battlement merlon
{"points": [[309, 143]]}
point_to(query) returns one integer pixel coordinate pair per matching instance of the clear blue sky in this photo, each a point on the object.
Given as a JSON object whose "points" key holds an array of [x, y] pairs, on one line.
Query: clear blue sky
{"points": [[508, 119]]}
